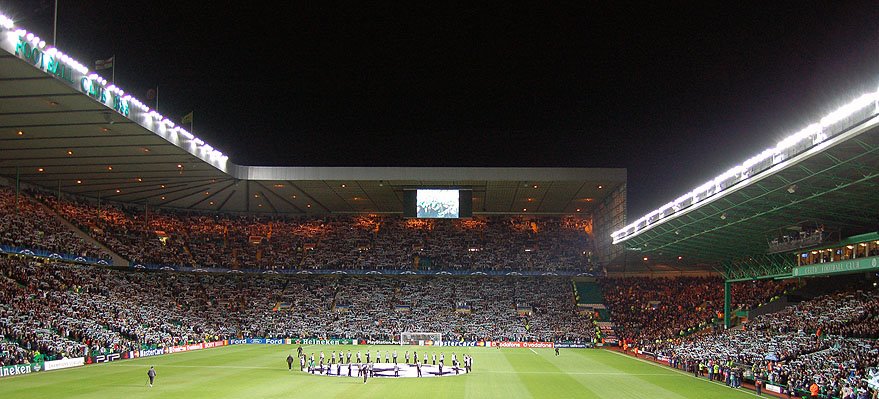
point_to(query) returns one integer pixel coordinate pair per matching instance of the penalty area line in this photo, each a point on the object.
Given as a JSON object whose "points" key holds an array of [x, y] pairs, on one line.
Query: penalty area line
{"points": [[532, 350]]}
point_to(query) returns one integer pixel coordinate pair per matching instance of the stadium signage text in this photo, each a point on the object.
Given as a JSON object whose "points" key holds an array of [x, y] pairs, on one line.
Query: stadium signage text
{"points": [[380, 342], [106, 97], [573, 345], [52, 65], [847, 266], [19, 369], [151, 352], [514, 344], [460, 343], [63, 363], [311, 341], [103, 358], [37, 58]]}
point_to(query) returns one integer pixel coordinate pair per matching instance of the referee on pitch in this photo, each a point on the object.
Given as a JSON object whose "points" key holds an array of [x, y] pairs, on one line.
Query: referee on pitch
{"points": [[152, 374]]}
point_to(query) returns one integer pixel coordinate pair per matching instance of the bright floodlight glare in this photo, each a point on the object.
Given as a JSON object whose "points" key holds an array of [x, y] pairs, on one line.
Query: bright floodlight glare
{"points": [[813, 132], [8, 24]]}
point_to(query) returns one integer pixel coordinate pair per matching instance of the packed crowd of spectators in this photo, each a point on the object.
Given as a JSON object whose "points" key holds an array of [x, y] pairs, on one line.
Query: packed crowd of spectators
{"points": [[55, 310], [365, 242], [646, 308], [829, 341], [27, 224]]}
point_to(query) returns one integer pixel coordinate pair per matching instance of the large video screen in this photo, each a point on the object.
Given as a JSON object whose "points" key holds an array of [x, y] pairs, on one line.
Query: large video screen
{"points": [[442, 204], [437, 203]]}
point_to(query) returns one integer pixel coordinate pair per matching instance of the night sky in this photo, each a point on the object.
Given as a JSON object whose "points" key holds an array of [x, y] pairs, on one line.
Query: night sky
{"points": [[676, 93]]}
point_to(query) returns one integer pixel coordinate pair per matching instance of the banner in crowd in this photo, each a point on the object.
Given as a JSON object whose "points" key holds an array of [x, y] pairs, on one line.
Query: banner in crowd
{"points": [[63, 363], [180, 268], [51, 255], [19, 369], [517, 344]]}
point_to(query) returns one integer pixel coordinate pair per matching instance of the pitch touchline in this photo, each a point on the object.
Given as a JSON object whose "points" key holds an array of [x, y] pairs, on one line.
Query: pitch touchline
{"points": [[577, 373], [680, 372]]}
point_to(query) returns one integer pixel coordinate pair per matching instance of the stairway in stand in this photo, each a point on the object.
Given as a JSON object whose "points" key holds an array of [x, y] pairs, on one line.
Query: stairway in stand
{"points": [[589, 298]]}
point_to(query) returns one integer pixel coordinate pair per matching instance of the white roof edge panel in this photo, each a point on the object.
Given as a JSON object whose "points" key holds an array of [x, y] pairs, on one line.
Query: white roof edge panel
{"points": [[427, 173]]}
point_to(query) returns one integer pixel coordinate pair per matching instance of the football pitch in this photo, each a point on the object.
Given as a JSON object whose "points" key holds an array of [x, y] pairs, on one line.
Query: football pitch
{"points": [[260, 371]]}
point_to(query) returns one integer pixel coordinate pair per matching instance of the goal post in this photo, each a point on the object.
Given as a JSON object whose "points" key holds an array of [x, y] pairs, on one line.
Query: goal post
{"points": [[421, 338]]}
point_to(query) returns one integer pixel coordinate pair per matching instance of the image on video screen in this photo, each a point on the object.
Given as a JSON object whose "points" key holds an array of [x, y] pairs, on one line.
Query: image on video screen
{"points": [[437, 204]]}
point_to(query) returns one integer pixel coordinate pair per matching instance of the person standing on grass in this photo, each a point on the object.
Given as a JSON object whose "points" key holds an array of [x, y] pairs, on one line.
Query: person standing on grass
{"points": [[556, 350], [290, 362], [152, 374], [299, 350]]}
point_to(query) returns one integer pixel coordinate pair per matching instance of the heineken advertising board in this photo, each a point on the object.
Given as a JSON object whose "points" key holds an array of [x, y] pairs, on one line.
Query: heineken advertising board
{"points": [[20, 369]]}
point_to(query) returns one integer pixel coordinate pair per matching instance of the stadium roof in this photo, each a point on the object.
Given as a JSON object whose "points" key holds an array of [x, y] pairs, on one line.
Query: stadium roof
{"points": [[66, 128], [825, 175]]}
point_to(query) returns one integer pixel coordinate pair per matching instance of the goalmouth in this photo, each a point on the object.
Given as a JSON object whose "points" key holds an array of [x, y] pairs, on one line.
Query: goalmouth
{"points": [[421, 338]]}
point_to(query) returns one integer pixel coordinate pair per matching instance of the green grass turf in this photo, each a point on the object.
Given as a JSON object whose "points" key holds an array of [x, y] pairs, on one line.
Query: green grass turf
{"points": [[260, 371]]}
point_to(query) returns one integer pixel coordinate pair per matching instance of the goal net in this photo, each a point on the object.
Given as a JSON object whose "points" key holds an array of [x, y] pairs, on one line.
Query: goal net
{"points": [[421, 338]]}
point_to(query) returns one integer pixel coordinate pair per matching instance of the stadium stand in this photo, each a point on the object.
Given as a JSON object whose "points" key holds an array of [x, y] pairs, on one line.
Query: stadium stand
{"points": [[365, 242], [56, 309], [659, 308], [830, 340]]}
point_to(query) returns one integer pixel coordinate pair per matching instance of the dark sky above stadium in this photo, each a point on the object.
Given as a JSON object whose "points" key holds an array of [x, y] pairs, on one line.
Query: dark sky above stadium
{"points": [[676, 92]]}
